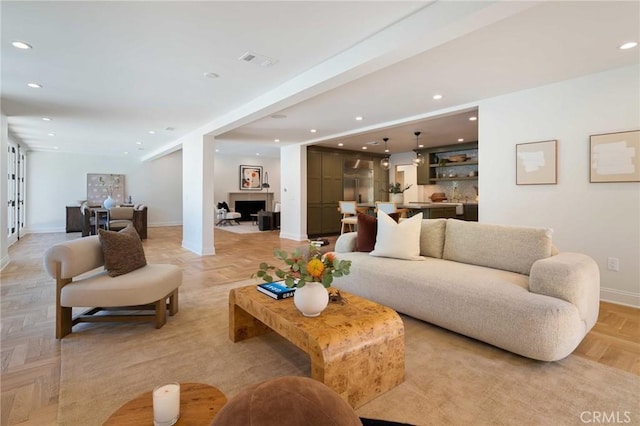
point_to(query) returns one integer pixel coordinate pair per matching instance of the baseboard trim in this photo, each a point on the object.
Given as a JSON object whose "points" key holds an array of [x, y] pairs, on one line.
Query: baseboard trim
{"points": [[4, 262], [620, 297], [199, 250], [45, 230], [294, 237], [160, 224]]}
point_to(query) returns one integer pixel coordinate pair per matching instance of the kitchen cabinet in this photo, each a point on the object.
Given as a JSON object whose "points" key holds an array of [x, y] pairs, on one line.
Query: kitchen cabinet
{"points": [[325, 186], [440, 167], [324, 190]]}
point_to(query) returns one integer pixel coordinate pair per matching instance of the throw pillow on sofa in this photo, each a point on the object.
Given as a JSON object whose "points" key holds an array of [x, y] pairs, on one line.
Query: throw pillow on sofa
{"points": [[398, 240], [122, 251], [367, 231]]}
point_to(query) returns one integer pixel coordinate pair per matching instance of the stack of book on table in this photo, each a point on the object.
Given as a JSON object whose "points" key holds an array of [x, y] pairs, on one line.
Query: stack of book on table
{"points": [[277, 290]]}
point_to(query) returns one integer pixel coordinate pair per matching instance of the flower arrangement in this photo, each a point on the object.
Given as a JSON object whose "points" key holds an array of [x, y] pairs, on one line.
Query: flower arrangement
{"points": [[111, 185], [312, 266], [396, 188]]}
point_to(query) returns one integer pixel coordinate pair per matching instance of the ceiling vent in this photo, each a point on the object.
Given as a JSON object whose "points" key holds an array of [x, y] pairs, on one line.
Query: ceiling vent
{"points": [[257, 59], [374, 143]]}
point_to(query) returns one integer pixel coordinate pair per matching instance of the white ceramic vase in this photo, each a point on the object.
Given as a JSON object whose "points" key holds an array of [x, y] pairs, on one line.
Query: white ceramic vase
{"points": [[109, 202], [311, 299], [397, 198]]}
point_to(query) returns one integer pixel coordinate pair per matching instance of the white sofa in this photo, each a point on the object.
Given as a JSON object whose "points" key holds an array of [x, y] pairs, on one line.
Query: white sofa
{"points": [[505, 285]]}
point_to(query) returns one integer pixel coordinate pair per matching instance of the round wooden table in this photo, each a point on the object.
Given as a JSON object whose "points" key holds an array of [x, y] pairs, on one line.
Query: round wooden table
{"points": [[199, 404]]}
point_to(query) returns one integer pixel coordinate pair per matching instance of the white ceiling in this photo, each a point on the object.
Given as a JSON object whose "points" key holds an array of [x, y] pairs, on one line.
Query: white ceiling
{"points": [[112, 71]]}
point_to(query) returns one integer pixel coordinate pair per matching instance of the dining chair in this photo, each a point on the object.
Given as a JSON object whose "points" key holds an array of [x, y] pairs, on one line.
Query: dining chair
{"points": [[389, 207], [120, 218], [349, 211]]}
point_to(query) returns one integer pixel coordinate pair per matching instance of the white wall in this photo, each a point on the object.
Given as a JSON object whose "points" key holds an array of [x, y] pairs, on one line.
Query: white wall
{"points": [[227, 175], [599, 219], [55, 180]]}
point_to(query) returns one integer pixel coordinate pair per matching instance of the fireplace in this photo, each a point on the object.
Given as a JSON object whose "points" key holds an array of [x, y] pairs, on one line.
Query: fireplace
{"points": [[246, 208]]}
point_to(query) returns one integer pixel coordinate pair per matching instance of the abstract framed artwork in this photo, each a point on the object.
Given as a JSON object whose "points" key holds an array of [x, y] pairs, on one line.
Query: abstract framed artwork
{"points": [[536, 163], [250, 178], [614, 157]]}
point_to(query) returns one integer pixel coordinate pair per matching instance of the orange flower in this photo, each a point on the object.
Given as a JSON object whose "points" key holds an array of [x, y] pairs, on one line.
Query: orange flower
{"points": [[315, 268], [329, 256]]}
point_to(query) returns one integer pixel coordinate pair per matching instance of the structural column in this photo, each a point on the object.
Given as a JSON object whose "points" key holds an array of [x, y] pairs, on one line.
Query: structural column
{"points": [[293, 195], [197, 193]]}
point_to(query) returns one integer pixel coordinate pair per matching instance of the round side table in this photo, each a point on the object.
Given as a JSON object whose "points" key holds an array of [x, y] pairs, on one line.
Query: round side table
{"points": [[199, 404]]}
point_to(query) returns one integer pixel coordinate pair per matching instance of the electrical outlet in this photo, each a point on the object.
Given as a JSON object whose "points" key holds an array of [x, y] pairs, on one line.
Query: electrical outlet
{"points": [[613, 264]]}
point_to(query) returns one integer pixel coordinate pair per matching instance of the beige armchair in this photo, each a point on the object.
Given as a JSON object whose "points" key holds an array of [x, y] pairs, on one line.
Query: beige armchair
{"points": [[149, 292], [120, 218]]}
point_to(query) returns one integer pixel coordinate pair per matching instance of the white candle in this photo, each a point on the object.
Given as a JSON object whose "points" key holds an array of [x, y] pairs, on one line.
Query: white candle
{"points": [[166, 404]]}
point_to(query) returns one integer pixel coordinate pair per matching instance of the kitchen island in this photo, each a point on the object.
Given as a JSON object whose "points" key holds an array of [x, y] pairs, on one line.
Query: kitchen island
{"points": [[465, 211]]}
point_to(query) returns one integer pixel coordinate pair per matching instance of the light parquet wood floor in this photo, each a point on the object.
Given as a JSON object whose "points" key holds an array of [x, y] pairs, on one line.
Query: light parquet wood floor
{"points": [[30, 354]]}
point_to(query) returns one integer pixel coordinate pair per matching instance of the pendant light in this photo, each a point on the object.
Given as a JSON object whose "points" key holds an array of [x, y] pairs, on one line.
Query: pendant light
{"points": [[419, 160], [385, 163]]}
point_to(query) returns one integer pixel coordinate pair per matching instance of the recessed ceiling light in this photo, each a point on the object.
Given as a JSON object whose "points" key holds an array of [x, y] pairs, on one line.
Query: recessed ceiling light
{"points": [[436, 97], [460, 140], [21, 45], [55, 147], [340, 144], [138, 143], [217, 150], [257, 153], [51, 134], [34, 85], [359, 118], [211, 75], [46, 119], [628, 45], [152, 132], [313, 130], [364, 147], [126, 153], [473, 118], [276, 140], [420, 146]]}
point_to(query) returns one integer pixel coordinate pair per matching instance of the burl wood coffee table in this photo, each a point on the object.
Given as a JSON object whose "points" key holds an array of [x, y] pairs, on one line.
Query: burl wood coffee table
{"points": [[356, 346], [199, 404]]}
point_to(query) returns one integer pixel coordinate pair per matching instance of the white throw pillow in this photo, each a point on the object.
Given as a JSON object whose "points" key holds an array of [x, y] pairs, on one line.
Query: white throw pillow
{"points": [[398, 240]]}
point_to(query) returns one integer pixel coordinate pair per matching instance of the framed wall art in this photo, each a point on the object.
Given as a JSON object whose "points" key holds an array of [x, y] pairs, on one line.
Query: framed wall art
{"points": [[103, 185], [536, 163], [250, 178], [614, 157]]}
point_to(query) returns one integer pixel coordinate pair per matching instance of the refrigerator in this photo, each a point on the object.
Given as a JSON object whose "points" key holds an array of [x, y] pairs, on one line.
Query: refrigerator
{"points": [[358, 181]]}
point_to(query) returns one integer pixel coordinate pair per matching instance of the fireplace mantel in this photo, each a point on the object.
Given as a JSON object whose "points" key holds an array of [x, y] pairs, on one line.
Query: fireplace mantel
{"points": [[250, 196]]}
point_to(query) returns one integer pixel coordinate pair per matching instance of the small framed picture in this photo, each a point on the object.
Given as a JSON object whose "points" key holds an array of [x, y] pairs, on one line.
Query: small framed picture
{"points": [[536, 163], [250, 178], [614, 157]]}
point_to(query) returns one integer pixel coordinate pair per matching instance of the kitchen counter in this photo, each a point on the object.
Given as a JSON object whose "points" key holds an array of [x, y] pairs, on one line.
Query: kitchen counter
{"points": [[465, 210]]}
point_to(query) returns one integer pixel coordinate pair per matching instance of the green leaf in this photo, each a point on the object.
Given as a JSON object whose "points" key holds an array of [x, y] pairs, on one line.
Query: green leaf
{"points": [[268, 278], [327, 279], [280, 273], [264, 265], [260, 274]]}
